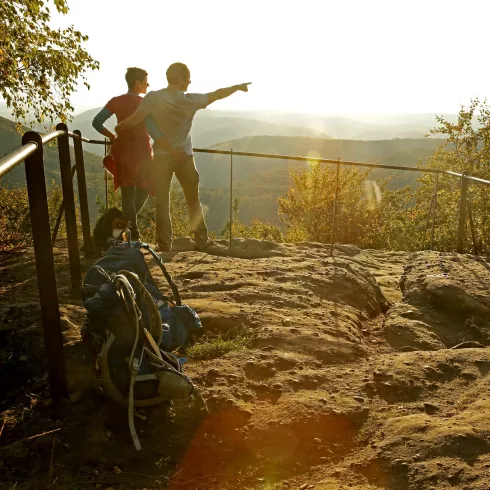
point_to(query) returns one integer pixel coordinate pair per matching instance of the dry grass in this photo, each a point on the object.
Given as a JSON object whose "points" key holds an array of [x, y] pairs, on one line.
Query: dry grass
{"points": [[214, 346]]}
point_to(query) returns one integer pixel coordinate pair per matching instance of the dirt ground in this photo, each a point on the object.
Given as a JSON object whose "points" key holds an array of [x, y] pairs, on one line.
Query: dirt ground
{"points": [[368, 370]]}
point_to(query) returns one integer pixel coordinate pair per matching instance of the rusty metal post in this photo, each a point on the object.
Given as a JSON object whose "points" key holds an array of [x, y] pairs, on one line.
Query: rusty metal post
{"points": [[462, 214], [106, 178], [60, 213], [335, 207], [427, 222], [231, 195], [88, 244], [46, 276], [434, 212], [472, 227], [69, 205]]}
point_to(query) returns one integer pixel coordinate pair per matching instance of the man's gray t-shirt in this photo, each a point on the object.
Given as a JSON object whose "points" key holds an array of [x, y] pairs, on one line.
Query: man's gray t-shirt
{"points": [[173, 112]]}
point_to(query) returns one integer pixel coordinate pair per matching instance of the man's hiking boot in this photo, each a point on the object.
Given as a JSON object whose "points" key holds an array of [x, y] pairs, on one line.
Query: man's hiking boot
{"points": [[210, 247]]}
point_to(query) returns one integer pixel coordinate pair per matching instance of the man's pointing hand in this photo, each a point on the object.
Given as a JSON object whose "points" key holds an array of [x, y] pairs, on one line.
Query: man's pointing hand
{"points": [[244, 86]]}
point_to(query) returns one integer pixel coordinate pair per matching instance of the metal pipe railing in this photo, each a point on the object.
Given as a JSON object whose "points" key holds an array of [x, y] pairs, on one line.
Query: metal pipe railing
{"points": [[318, 160], [476, 179], [88, 245], [10, 161], [76, 135], [46, 138], [433, 207], [32, 153], [46, 275], [69, 205]]}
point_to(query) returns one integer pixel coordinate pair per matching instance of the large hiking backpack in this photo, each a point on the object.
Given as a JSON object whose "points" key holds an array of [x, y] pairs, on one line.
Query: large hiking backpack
{"points": [[138, 333]]}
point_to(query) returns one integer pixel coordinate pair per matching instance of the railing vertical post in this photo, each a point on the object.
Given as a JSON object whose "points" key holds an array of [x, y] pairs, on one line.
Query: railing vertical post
{"points": [[60, 213], [334, 216], [88, 245], [462, 214], [69, 205], [46, 276], [106, 178], [231, 195], [434, 200], [472, 227]]}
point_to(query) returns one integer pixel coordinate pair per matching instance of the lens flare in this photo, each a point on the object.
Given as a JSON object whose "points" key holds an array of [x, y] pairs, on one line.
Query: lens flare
{"points": [[373, 193], [312, 155]]}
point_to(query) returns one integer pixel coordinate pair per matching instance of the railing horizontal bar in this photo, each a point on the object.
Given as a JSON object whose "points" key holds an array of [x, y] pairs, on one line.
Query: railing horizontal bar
{"points": [[86, 140], [450, 172], [477, 179], [46, 138], [319, 160], [10, 161]]}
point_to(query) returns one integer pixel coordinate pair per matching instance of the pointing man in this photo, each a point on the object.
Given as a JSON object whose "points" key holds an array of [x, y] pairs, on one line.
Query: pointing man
{"points": [[172, 110]]}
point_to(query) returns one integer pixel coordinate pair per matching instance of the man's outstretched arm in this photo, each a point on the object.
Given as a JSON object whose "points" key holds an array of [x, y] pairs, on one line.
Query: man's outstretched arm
{"points": [[138, 116], [222, 93]]}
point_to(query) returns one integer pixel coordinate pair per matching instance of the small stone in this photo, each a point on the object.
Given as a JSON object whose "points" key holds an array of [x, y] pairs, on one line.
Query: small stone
{"points": [[23, 358], [430, 408], [359, 399], [212, 373], [116, 470], [304, 486]]}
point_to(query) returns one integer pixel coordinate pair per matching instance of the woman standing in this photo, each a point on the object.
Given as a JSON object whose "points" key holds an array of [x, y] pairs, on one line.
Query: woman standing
{"points": [[131, 150]]}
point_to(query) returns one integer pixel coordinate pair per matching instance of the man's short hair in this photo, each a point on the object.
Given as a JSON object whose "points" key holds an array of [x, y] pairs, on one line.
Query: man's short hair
{"points": [[134, 75], [177, 71]]}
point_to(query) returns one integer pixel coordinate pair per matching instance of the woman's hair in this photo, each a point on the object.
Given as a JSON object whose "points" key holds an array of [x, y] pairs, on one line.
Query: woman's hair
{"points": [[134, 75]]}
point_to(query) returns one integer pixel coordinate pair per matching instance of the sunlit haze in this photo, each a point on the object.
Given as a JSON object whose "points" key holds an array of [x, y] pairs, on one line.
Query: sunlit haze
{"points": [[322, 56]]}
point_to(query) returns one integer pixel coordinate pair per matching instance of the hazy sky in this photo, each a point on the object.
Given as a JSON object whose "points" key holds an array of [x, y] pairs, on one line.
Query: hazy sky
{"points": [[323, 56]]}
